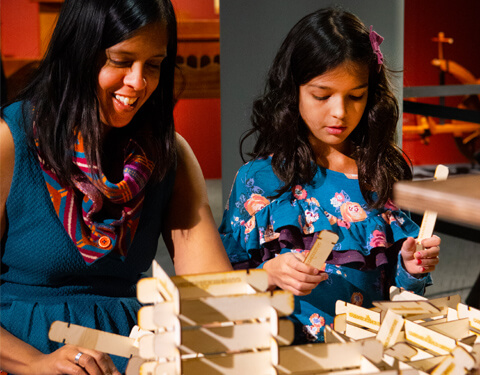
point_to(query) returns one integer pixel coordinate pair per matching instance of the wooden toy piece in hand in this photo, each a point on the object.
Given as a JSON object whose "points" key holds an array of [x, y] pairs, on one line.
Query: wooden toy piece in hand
{"points": [[321, 249], [430, 217]]}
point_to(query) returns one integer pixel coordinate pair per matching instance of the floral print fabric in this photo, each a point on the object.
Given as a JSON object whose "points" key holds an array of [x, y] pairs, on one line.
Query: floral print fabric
{"points": [[364, 262]]}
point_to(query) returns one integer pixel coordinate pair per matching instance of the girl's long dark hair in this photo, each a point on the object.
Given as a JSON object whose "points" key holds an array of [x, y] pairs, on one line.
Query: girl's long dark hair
{"points": [[319, 42], [63, 91]]}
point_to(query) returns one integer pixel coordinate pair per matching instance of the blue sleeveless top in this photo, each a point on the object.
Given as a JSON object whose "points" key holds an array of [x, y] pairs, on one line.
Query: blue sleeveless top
{"points": [[44, 277]]}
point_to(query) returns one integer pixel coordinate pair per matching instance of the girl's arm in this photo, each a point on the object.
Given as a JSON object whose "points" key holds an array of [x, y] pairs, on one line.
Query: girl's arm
{"points": [[190, 231]]}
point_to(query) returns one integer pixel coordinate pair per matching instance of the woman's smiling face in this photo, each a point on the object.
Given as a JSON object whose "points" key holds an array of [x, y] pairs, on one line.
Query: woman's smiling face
{"points": [[332, 104], [131, 74]]}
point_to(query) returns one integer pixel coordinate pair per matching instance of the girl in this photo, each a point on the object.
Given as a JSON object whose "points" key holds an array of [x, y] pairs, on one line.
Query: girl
{"points": [[325, 158], [92, 173]]}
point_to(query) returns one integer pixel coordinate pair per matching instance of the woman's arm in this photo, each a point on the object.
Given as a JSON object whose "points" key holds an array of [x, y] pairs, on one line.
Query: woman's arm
{"points": [[7, 161], [190, 232], [16, 356]]}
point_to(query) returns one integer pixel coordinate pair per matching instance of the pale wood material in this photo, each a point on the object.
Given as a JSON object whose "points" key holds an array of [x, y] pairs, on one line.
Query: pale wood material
{"points": [[426, 338], [326, 357], [471, 313], [456, 199], [222, 309], [429, 216], [359, 315], [321, 249], [456, 329], [455, 364], [210, 340], [408, 308], [149, 290], [93, 339], [230, 364], [390, 329]]}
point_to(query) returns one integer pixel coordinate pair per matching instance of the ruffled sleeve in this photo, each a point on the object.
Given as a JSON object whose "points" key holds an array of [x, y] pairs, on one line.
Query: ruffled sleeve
{"points": [[246, 225], [256, 227]]}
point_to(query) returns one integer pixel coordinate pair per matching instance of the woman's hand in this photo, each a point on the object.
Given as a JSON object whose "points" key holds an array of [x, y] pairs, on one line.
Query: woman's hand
{"points": [[63, 361], [18, 357], [288, 272], [417, 262]]}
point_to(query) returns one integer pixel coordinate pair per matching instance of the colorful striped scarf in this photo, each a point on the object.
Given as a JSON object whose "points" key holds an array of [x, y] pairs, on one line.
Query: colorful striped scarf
{"points": [[77, 207]]}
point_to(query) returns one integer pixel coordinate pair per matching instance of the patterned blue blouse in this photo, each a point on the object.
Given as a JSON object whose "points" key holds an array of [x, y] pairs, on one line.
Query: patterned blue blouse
{"points": [[364, 263]]}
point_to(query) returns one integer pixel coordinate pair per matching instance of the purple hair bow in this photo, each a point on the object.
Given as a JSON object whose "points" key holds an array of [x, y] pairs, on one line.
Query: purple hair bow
{"points": [[376, 40]]}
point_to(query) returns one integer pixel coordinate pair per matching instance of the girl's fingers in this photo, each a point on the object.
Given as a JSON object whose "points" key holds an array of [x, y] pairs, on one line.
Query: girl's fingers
{"points": [[431, 252], [431, 241]]}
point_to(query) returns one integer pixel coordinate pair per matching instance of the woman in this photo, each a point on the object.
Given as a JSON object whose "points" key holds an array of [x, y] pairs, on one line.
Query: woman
{"points": [[92, 173]]}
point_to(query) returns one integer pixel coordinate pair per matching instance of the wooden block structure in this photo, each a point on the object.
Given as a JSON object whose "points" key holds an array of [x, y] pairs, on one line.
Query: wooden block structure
{"points": [[228, 323], [419, 335]]}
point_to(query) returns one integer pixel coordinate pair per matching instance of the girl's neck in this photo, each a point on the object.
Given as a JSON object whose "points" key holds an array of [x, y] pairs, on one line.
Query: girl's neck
{"points": [[336, 159]]}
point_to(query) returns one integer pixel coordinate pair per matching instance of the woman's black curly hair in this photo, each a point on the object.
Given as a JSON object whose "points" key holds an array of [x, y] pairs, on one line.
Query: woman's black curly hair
{"points": [[319, 42]]}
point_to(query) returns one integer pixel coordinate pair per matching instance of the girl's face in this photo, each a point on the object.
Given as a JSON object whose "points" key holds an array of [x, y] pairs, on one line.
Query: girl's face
{"points": [[131, 74], [332, 104]]}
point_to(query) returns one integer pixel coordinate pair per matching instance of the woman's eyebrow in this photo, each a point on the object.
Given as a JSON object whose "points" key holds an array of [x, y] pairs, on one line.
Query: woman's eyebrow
{"points": [[126, 53]]}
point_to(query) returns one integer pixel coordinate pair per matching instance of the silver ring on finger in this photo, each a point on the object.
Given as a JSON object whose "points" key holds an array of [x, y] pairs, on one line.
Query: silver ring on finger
{"points": [[77, 358]]}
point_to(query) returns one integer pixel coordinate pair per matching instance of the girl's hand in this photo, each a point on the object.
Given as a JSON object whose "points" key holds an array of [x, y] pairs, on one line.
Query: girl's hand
{"points": [[288, 272], [62, 361], [417, 262]]}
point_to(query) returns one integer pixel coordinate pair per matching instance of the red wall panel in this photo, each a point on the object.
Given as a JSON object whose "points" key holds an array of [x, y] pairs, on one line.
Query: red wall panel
{"points": [[20, 29], [423, 21]]}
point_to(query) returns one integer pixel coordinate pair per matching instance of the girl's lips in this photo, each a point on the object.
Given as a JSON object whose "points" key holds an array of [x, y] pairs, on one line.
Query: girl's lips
{"points": [[335, 129]]}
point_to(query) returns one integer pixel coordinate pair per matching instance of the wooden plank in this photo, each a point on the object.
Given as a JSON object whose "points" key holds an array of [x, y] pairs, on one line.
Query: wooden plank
{"points": [[359, 315], [397, 294], [428, 339], [226, 364], [457, 198], [429, 216], [221, 283], [209, 340], [161, 288], [406, 308], [390, 328], [92, 339], [456, 329], [321, 249], [216, 309], [316, 358]]}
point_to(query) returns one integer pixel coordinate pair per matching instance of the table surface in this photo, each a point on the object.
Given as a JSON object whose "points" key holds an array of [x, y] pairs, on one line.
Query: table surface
{"points": [[455, 199]]}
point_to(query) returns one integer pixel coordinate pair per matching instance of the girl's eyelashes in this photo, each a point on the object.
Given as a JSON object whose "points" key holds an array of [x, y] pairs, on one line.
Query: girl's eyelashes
{"points": [[356, 98], [352, 97]]}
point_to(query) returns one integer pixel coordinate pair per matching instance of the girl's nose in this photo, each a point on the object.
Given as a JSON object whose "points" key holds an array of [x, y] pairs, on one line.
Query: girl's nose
{"points": [[339, 109], [135, 78]]}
